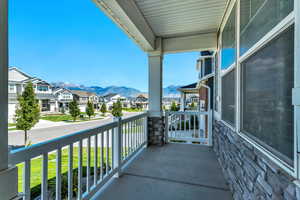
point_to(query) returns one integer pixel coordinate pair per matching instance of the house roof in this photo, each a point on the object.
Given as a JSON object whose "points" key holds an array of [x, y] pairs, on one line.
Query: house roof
{"points": [[45, 96], [193, 85], [21, 77], [191, 88], [110, 95], [60, 90], [142, 96], [82, 93]]}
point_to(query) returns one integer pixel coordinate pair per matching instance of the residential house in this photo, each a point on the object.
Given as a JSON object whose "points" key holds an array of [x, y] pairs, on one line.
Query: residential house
{"points": [[112, 98], [63, 97], [141, 101], [82, 98], [17, 81]]}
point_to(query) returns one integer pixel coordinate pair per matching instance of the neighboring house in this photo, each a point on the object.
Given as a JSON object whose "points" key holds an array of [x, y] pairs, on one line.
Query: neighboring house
{"points": [[188, 94], [17, 81], [167, 101], [112, 98], [82, 98], [141, 101], [63, 97]]}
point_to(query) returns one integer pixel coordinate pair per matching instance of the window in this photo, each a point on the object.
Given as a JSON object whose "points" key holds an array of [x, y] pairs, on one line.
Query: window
{"points": [[228, 50], [11, 88], [208, 66], [228, 56], [42, 88], [228, 97], [266, 104], [258, 17]]}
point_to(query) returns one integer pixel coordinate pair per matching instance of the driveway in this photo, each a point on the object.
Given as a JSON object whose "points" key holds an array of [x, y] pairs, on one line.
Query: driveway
{"points": [[16, 138]]}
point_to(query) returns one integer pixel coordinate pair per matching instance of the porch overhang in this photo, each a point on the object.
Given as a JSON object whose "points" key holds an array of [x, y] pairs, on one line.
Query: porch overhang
{"points": [[183, 26]]}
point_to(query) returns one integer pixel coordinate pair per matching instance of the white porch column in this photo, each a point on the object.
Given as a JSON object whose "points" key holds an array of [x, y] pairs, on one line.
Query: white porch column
{"points": [[8, 176], [155, 83], [182, 101], [155, 118]]}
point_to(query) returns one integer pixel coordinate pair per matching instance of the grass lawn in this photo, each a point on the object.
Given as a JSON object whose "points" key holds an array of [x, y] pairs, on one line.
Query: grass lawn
{"points": [[57, 118], [11, 124], [36, 165], [66, 118], [132, 109]]}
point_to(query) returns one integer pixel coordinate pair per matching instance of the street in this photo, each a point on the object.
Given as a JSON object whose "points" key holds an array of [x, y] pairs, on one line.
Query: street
{"points": [[16, 138]]}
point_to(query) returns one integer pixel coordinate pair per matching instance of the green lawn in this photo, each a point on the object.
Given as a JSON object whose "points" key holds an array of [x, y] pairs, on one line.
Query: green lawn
{"points": [[36, 165], [66, 118], [11, 124], [57, 118], [132, 109]]}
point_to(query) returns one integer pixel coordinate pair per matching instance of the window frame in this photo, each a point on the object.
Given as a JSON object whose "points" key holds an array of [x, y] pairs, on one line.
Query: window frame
{"points": [[222, 72], [290, 19]]}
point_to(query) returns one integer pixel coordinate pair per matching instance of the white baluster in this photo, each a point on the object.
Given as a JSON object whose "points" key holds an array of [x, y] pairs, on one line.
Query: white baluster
{"points": [[58, 174], [45, 177], [70, 173]]}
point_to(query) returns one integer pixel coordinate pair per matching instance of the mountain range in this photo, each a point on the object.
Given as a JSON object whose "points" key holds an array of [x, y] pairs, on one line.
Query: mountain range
{"points": [[170, 91]]}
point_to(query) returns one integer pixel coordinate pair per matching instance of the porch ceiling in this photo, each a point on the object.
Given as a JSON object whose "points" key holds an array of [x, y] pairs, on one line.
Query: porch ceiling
{"points": [[173, 18], [189, 25]]}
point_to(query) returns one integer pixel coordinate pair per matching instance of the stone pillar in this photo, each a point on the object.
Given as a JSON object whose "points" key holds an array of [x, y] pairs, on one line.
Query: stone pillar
{"points": [[155, 119], [8, 175]]}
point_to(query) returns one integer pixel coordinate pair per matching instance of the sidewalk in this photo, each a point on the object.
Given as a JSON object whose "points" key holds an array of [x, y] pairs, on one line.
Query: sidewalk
{"points": [[48, 124]]}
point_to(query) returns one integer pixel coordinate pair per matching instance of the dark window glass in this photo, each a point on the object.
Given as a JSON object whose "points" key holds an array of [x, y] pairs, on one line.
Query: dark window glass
{"points": [[267, 82], [258, 17], [228, 97], [228, 41], [208, 66]]}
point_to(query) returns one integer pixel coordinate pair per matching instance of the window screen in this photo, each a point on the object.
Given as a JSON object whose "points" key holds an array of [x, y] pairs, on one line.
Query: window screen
{"points": [[258, 17], [267, 82], [228, 41], [228, 97]]}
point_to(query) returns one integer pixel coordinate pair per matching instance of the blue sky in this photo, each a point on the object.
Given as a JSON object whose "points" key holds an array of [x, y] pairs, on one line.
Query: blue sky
{"points": [[73, 41]]}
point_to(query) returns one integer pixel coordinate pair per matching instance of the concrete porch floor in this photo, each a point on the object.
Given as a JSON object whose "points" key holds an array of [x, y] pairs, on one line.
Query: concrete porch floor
{"points": [[171, 172]]}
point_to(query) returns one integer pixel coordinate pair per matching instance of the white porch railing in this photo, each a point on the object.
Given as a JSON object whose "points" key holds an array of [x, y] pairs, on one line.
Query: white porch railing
{"points": [[189, 127], [90, 158]]}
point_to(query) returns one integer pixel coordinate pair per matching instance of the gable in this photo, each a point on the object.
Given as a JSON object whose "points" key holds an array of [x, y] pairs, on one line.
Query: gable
{"points": [[16, 75]]}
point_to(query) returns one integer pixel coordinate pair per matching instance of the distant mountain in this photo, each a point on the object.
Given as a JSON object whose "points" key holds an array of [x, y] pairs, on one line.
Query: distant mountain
{"points": [[124, 91], [170, 91]]}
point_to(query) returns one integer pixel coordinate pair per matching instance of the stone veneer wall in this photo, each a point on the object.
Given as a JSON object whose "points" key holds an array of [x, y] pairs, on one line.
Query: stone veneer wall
{"points": [[156, 128], [249, 173]]}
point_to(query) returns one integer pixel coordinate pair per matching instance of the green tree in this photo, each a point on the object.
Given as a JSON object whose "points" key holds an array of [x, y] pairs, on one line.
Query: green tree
{"points": [[193, 105], [174, 106], [117, 109], [103, 109], [90, 109], [74, 109], [28, 111]]}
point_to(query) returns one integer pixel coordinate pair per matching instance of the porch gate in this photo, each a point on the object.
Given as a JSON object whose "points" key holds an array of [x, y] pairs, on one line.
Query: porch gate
{"points": [[194, 127]]}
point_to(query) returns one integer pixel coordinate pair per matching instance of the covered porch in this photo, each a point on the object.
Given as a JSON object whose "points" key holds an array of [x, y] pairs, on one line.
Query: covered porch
{"points": [[170, 172]]}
